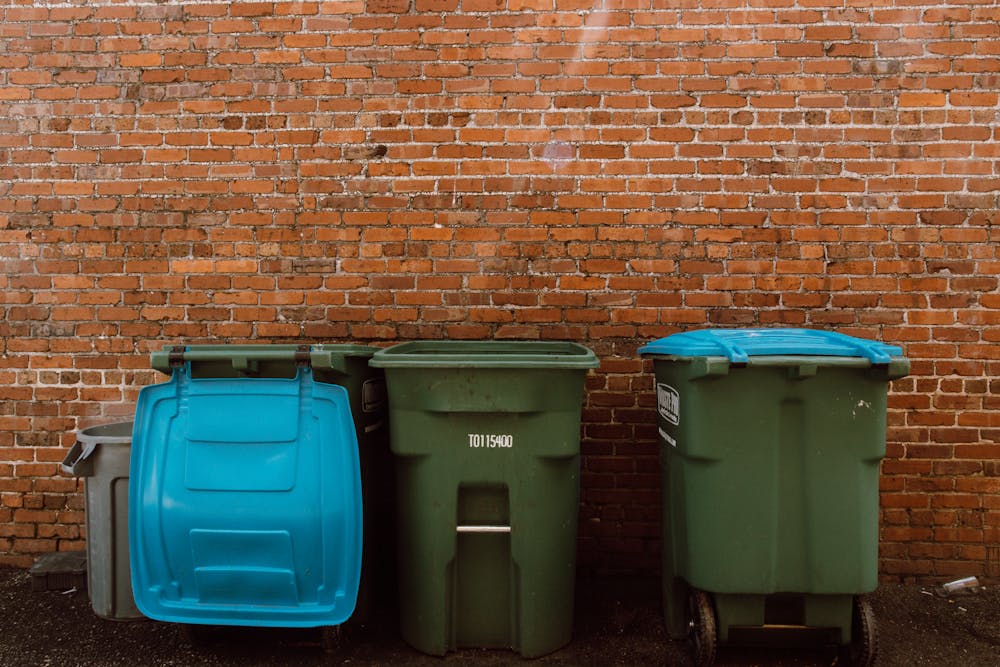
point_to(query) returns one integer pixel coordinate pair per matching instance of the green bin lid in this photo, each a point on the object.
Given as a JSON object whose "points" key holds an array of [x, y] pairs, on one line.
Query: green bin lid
{"points": [[485, 354], [738, 345]]}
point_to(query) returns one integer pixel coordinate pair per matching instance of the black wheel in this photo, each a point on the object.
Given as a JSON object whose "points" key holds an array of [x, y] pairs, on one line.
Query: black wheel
{"points": [[863, 649], [703, 628]]}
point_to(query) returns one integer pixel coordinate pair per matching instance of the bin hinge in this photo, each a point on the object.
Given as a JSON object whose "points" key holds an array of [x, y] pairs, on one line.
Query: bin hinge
{"points": [[303, 356], [176, 357]]}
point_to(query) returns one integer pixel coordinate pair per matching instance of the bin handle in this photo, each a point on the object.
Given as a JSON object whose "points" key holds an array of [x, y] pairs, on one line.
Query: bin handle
{"points": [[482, 529], [301, 354], [871, 350], [76, 459], [244, 361]]}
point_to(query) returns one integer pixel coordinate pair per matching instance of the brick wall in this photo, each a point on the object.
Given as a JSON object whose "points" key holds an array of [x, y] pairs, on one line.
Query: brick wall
{"points": [[605, 171]]}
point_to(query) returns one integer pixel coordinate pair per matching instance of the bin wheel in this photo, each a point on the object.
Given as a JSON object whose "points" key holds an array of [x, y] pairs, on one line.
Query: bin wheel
{"points": [[863, 649], [703, 633]]}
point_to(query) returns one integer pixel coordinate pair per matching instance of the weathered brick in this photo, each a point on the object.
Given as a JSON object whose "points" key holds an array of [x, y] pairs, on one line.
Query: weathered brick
{"points": [[384, 170]]}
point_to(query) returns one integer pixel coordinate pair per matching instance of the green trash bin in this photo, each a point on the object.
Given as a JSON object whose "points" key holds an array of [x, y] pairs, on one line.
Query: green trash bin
{"points": [[770, 443], [486, 437], [340, 364]]}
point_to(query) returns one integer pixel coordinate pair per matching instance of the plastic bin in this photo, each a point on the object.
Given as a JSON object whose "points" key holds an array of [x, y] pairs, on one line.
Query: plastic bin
{"points": [[770, 447], [101, 456], [249, 510], [345, 365], [487, 438]]}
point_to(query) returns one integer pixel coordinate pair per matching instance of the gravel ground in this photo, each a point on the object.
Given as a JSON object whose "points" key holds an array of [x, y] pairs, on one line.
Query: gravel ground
{"points": [[617, 623]]}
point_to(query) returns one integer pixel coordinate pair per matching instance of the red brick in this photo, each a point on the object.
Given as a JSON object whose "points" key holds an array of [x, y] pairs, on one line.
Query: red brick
{"points": [[382, 170]]}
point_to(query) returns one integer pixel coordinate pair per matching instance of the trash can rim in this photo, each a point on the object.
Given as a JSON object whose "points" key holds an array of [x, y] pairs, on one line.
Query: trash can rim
{"points": [[87, 439], [776, 359], [104, 433], [320, 355], [486, 354]]}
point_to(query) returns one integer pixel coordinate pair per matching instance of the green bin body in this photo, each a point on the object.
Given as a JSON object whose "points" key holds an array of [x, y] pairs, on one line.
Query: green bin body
{"points": [[340, 364], [486, 437], [770, 466]]}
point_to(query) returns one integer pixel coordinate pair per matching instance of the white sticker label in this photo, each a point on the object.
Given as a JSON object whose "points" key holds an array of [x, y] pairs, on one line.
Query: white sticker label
{"points": [[666, 438], [668, 402], [491, 440]]}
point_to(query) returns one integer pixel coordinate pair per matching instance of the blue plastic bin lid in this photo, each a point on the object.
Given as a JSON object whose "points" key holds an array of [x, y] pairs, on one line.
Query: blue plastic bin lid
{"points": [[738, 345], [245, 502]]}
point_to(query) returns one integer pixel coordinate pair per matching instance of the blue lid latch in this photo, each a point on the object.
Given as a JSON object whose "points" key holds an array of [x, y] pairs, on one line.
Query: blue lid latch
{"points": [[737, 355], [874, 352]]}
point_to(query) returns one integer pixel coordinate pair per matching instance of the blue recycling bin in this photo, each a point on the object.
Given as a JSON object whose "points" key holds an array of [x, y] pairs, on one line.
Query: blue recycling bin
{"points": [[245, 506]]}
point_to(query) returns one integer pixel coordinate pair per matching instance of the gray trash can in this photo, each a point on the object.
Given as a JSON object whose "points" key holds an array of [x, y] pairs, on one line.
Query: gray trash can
{"points": [[101, 456]]}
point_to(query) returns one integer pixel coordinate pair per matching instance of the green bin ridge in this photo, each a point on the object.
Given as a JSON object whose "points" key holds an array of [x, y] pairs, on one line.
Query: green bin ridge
{"points": [[486, 438], [770, 486]]}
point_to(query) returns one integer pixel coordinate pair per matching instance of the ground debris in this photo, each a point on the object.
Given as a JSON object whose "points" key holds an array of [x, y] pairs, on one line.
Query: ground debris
{"points": [[616, 624]]}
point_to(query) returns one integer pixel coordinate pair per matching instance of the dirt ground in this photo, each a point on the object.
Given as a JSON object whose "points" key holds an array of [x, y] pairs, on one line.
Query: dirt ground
{"points": [[617, 623]]}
